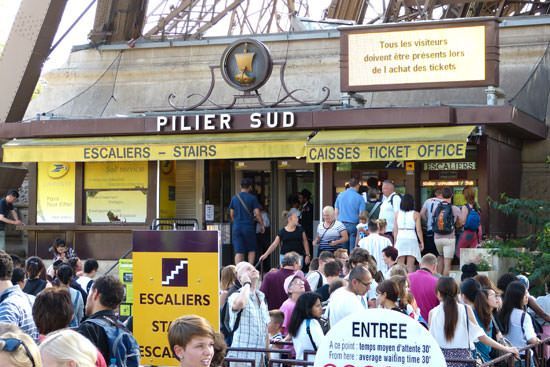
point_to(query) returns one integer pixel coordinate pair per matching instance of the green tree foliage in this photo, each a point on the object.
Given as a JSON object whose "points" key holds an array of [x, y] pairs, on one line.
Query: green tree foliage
{"points": [[532, 252]]}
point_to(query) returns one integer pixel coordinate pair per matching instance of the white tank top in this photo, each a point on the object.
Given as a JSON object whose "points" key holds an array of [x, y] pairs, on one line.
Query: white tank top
{"points": [[405, 220], [461, 336]]}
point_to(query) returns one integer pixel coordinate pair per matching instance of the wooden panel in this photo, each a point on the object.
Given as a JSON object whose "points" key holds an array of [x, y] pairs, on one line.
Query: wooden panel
{"points": [[499, 172], [102, 245]]}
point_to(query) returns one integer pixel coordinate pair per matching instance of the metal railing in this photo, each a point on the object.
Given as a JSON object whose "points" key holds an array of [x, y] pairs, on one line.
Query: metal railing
{"points": [[537, 355], [509, 359], [174, 224]]}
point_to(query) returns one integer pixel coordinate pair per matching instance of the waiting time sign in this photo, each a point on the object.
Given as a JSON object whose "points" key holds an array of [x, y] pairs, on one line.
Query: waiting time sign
{"points": [[432, 55], [175, 274]]}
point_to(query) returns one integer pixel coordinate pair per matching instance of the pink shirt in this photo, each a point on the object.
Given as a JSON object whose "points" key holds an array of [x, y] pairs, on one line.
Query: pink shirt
{"points": [[287, 307], [423, 288]]}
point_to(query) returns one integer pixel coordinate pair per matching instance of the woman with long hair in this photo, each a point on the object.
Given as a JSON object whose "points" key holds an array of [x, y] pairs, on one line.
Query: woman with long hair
{"points": [[228, 278], [304, 326], [516, 324], [470, 237], [483, 302], [454, 326], [407, 232]]}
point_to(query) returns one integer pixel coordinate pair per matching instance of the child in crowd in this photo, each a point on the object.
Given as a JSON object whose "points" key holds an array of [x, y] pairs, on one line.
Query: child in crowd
{"points": [[274, 329], [374, 243], [362, 227], [382, 224]]}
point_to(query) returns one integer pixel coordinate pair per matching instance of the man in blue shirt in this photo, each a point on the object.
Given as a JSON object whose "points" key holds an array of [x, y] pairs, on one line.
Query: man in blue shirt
{"points": [[349, 204], [244, 211]]}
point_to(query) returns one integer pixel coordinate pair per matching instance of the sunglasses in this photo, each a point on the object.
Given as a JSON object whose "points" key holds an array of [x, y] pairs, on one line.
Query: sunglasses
{"points": [[12, 344], [365, 283]]}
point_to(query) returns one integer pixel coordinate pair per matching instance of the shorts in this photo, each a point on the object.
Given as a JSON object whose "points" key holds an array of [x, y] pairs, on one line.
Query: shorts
{"points": [[243, 239], [445, 246]]}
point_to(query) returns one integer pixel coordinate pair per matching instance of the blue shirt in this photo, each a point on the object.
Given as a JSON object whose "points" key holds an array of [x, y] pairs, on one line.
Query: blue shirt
{"points": [[482, 349], [349, 204], [240, 215], [16, 308]]}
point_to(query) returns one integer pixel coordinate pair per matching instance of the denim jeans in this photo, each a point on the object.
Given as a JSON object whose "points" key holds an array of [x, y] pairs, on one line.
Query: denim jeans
{"points": [[352, 233]]}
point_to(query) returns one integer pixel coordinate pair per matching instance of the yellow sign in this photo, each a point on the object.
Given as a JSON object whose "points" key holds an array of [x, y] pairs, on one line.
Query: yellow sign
{"points": [[385, 152], [120, 175], [417, 56], [171, 284], [55, 197], [112, 206], [274, 144], [409, 166]]}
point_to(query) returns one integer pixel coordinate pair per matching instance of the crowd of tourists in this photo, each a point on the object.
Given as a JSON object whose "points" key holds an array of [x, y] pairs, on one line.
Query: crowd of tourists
{"points": [[365, 254]]}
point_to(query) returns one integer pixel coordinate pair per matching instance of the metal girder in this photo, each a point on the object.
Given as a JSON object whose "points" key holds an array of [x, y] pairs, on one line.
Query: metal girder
{"points": [[191, 19], [118, 20], [26, 50]]}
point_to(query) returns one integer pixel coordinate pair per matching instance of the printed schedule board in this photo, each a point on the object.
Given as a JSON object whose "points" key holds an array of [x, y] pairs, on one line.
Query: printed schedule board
{"points": [[378, 338], [175, 273]]}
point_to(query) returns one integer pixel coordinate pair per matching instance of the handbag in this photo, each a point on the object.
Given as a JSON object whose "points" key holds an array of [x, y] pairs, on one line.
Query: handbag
{"points": [[495, 353]]}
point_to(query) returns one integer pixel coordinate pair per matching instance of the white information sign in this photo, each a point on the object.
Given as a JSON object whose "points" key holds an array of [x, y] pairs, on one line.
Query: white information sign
{"points": [[209, 212], [378, 338]]}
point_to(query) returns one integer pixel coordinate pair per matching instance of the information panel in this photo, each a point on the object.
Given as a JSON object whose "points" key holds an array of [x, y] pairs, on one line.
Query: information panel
{"points": [[378, 338], [420, 56], [55, 196], [175, 274]]}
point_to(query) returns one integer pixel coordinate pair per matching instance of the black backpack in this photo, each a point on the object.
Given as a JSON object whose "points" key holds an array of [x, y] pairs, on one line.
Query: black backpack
{"points": [[443, 219], [225, 327]]}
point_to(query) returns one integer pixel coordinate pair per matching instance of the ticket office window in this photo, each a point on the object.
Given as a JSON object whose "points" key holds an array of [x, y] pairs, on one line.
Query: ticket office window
{"points": [[455, 174], [115, 192], [371, 173]]}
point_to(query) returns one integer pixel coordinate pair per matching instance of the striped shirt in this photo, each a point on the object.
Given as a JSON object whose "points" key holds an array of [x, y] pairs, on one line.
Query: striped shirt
{"points": [[327, 235], [16, 308]]}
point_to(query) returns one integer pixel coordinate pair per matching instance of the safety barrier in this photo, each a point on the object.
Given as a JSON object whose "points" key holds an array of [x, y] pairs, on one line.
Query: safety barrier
{"points": [[174, 224], [508, 359]]}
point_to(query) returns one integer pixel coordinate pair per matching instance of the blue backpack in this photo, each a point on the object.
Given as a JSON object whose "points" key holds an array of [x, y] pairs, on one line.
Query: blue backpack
{"points": [[472, 220], [122, 345]]}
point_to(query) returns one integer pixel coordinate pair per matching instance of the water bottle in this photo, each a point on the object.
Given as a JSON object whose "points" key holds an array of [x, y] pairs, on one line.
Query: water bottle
{"points": [[112, 363]]}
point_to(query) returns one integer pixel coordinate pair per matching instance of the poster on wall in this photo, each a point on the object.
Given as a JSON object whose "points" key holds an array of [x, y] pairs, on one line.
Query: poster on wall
{"points": [[116, 206], [175, 274], [55, 196], [115, 175]]}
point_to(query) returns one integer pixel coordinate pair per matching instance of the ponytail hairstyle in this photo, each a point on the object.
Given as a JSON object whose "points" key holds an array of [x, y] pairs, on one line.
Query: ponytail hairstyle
{"points": [[472, 291], [401, 282], [513, 298], [35, 268], [448, 290]]}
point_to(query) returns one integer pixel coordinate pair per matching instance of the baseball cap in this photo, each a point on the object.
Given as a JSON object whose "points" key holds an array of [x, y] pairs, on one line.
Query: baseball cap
{"points": [[289, 280]]}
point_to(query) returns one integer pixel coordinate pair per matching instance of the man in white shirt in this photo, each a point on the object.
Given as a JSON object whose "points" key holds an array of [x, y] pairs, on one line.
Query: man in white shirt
{"points": [[350, 299], [391, 201]]}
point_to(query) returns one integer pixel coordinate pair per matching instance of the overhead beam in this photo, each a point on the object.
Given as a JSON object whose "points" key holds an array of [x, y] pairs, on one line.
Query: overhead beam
{"points": [[26, 50]]}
